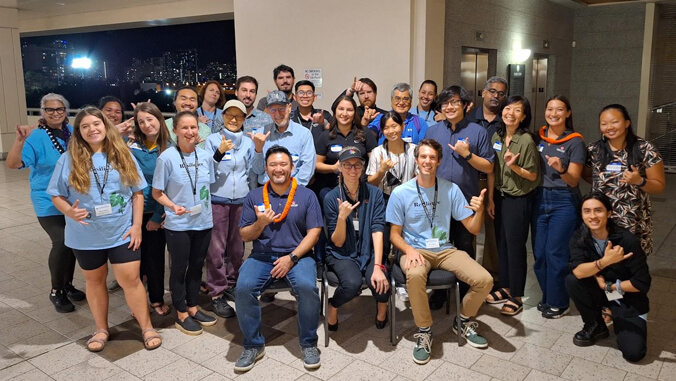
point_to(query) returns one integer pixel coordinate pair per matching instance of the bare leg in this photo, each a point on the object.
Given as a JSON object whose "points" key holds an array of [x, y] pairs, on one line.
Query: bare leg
{"points": [[127, 275], [382, 311], [97, 299]]}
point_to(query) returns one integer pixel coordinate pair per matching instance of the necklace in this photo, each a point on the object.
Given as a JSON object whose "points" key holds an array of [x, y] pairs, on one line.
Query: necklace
{"points": [[289, 199]]}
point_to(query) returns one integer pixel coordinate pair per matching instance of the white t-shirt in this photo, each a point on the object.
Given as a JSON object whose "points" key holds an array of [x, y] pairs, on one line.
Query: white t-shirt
{"points": [[404, 170]]}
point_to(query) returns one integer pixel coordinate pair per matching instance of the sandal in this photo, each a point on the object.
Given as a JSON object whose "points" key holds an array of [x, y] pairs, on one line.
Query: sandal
{"points": [[498, 296], [161, 308], [146, 340], [93, 339], [512, 309]]}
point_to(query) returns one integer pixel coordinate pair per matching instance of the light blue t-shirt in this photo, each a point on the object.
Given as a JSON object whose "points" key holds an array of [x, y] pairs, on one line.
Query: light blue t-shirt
{"points": [[404, 208], [202, 129], [427, 116], [215, 121], [40, 155], [232, 172], [172, 178], [102, 231]]}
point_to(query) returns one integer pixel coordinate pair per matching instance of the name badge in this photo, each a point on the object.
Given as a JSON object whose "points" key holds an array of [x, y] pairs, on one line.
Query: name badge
{"points": [[197, 209], [103, 210], [407, 139], [336, 148], [615, 295], [614, 167], [261, 208], [355, 222], [295, 158], [462, 140], [497, 146], [561, 149], [228, 156], [432, 243], [541, 147]]}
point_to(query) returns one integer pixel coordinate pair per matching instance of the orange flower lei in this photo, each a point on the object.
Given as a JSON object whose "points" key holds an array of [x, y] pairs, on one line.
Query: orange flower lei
{"points": [[558, 141], [289, 199]]}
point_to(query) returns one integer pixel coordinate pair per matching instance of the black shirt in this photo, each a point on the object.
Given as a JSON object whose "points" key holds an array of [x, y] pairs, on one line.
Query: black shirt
{"points": [[477, 116], [314, 128], [330, 149]]}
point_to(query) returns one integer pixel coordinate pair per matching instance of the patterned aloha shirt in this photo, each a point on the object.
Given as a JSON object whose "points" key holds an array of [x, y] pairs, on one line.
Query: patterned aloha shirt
{"points": [[631, 205]]}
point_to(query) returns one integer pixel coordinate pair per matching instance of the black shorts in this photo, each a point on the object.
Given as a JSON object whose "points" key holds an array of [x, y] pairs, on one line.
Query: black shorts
{"points": [[93, 259]]}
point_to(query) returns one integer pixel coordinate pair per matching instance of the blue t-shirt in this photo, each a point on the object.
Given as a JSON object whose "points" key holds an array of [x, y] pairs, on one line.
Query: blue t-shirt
{"points": [[414, 128], [174, 179], [215, 121], [231, 174], [40, 155], [427, 116], [102, 232], [404, 209], [285, 236]]}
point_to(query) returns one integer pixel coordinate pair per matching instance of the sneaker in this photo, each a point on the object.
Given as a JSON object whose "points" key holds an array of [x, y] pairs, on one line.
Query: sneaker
{"points": [[555, 313], [268, 297], [423, 347], [113, 286], [590, 334], [73, 293], [311, 358], [542, 307], [203, 319], [60, 301], [188, 326], [469, 332], [402, 294], [229, 293], [248, 359], [221, 307]]}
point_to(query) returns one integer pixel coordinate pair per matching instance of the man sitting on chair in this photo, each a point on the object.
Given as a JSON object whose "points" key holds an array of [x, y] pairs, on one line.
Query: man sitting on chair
{"points": [[420, 212], [283, 219]]}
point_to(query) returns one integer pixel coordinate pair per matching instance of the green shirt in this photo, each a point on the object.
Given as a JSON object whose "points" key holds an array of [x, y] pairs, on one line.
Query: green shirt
{"points": [[203, 130], [506, 181]]}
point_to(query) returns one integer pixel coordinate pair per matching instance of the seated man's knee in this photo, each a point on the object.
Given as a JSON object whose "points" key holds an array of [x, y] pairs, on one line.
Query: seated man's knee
{"points": [[306, 285]]}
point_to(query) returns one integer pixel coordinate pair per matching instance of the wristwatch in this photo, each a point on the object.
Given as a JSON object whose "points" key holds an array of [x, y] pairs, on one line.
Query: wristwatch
{"points": [[468, 157], [294, 258], [609, 287]]}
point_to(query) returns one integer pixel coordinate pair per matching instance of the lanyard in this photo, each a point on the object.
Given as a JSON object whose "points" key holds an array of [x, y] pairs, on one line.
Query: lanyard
{"points": [[51, 136], [212, 119], [426, 116], [434, 206], [105, 177], [185, 165]]}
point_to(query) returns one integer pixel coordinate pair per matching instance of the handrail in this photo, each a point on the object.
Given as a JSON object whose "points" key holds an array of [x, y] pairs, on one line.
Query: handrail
{"points": [[31, 111]]}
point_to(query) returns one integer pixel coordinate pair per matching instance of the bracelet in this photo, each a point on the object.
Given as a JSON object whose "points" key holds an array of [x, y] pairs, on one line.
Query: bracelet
{"points": [[598, 265], [642, 184], [618, 287], [565, 170], [382, 267]]}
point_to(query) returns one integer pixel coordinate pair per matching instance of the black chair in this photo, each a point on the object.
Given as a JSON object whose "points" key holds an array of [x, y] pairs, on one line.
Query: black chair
{"points": [[329, 278], [437, 279]]}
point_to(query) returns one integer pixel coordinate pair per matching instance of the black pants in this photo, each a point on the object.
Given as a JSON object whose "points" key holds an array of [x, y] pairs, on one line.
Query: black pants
{"points": [[153, 246], [61, 258], [350, 281], [512, 219], [188, 250], [631, 332]]}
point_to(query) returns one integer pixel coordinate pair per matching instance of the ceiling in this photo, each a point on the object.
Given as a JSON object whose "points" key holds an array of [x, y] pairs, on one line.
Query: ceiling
{"points": [[61, 7]]}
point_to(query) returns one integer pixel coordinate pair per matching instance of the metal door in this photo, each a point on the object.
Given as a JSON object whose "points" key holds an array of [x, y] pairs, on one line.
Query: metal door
{"points": [[539, 95], [474, 72]]}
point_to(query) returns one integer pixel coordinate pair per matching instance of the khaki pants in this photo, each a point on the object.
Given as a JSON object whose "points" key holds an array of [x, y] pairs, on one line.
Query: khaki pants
{"points": [[489, 257], [465, 269]]}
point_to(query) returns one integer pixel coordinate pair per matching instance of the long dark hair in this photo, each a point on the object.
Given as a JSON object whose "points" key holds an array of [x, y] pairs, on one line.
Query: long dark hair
{"points": [[633, 152], [564, 99], [524, 126], [397, 119], [586, 236], [359, 133]]}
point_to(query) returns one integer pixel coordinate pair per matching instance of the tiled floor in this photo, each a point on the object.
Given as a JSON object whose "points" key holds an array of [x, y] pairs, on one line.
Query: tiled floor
{"points": [[37, 343]]}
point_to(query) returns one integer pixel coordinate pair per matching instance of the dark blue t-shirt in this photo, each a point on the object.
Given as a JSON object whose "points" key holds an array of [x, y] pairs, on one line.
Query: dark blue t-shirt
{"points": [[285, 236]]}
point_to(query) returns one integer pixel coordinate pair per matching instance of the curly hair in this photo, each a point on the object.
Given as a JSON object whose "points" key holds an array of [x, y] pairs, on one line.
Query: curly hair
{"points": [[114, 147]]}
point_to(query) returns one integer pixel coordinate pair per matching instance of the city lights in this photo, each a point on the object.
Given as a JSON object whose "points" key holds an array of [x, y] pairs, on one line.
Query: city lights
{"points": [[81, 63]]}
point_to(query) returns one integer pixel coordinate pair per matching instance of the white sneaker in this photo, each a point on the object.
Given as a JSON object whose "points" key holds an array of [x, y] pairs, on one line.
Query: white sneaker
{"points": [[402, 294]]}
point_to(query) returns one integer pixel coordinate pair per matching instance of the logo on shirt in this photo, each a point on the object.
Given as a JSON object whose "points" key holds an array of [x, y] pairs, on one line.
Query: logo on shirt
{"points": [[561, 149]]}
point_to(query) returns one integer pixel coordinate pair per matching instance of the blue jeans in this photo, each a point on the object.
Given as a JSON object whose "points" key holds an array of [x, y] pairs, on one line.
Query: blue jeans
{"points": [[555, 218], [254, 278]]}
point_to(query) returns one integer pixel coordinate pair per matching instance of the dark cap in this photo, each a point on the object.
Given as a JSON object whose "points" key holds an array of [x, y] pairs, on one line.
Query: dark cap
{"points": [[350, 152], [277, 97]]}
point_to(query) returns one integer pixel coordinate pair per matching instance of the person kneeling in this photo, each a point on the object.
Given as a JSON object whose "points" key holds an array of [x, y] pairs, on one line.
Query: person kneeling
{"points": [[604, 276], [284, 220], [420, 212], [355, 220]]}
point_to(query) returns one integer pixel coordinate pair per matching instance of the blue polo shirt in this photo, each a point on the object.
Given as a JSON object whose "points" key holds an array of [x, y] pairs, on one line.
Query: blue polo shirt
{"points": [[455, 168], [414, 128], [298, 140], [40, 155], [285, 236]]}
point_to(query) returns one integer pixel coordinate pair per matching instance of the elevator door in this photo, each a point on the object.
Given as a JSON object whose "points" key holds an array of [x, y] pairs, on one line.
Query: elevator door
{"points": [[474, 72], [539, 94]]}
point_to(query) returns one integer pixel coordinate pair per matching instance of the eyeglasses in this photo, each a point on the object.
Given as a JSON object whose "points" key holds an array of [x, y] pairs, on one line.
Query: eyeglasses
{"points": [[452, 102], [500, 94], [350, 166], [228, 116], [275, 110], [400, 99], [305, 93], [52, 111]]}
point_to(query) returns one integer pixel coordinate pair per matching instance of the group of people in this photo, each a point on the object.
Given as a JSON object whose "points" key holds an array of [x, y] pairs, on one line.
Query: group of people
{"points": [[360, 189]]}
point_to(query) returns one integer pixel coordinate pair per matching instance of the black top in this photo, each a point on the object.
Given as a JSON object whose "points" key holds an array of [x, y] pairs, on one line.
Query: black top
{"points": [[314, 128], [634, 268], [477, 116], [330, 149]]}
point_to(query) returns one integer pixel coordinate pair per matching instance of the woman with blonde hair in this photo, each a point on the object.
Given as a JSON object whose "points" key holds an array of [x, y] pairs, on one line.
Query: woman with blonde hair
{"points": [[102, 196]]}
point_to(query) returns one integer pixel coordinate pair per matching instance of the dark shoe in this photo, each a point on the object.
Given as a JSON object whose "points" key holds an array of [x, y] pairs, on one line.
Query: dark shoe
{"points": [[498, 296], [311, 358], [332, 327], [229, 294], [469, 331], [542, 307], [437, 299], [61, 302], [188, 326], [554, 313], [203, 319], [268, 297], [74, 294], [383, 323], [423, 347], [248, 359], [221, 307], [590, 334]]}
